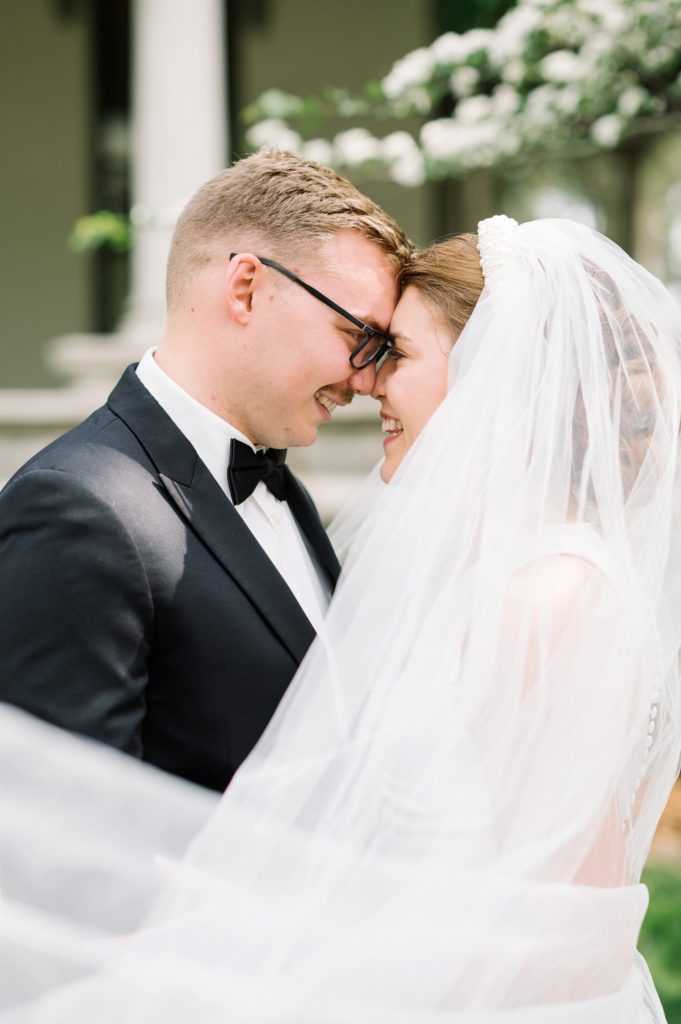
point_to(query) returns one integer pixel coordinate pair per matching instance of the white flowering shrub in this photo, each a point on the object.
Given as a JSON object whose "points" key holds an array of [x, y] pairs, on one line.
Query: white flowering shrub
{"points": [[552, 74]]}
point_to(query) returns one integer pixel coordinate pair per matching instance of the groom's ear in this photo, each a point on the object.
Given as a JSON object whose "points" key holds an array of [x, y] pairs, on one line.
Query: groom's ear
{"points": [[239, 284]]}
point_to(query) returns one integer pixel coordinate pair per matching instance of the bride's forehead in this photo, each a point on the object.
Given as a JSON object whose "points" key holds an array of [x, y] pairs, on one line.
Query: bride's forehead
{"points": [[414, 315], [411, 304]]}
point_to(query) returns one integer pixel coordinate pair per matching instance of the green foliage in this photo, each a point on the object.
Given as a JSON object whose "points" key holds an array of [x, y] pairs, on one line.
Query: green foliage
{"points": [[542, 78], [101, 230], [453, 16], [660, 941]]}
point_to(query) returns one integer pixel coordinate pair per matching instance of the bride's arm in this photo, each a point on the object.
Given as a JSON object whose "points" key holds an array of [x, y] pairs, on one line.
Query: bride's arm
{"points": [[571, 693]]}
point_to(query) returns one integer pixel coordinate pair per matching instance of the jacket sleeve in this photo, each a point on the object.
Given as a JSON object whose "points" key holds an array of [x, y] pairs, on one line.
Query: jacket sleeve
{"points": [[75, 609]]}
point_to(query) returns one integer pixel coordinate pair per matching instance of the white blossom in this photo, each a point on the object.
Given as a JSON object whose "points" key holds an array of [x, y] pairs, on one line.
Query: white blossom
{"points": [[346, 107], [449, 48], [463, 81], [657, 57], [607, 131], [356, 147], [509, 143], [595, 48], [398, 145], [612, 17], [510, 37], [277, 104], [404, 159], [420, 100], [505, 100], [514, 71], [319, 150], [567, 100], [562, 66], [414, 69], [447, 139], [477, 40], [474, 109], [515, 89], [540, 105], [632, 100], [409, 169], [441, 139], [452, 48], [637, 42], [566, 24], [275, 134]]}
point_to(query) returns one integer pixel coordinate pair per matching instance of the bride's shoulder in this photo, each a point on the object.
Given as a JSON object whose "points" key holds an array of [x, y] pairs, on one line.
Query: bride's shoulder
{"points": [[572, 566]]}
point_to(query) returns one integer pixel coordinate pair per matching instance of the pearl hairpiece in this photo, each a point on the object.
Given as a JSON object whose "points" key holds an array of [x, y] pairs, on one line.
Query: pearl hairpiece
{"points": [[497, 245]]}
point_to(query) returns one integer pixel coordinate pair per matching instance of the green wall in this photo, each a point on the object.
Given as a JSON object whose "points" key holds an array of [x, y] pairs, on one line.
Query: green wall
{"points": [[44, 181], [302, 45]]}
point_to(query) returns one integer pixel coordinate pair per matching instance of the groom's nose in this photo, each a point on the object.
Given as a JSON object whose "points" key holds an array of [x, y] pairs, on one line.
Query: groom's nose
{"points": [[363, 381]]}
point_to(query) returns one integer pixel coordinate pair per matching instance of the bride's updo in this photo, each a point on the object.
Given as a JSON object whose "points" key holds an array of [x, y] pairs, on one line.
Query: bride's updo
{"points": [[449, 275], [637, 387]]}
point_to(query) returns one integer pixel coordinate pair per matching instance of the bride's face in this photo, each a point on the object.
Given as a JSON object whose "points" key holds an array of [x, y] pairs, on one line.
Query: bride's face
{"points": [[413, 381]]}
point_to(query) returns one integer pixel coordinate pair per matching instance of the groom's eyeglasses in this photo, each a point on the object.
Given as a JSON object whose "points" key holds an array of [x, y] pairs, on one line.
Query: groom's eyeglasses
{"points": [[372, 347]]}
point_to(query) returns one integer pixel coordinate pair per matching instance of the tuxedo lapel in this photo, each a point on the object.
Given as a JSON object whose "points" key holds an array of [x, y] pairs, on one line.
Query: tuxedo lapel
{"points": [[211, 515], [222, 529], [308, 519]]}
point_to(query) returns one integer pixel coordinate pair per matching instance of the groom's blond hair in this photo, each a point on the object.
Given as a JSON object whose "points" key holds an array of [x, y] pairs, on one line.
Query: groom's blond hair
{"points": [[279, 200]]}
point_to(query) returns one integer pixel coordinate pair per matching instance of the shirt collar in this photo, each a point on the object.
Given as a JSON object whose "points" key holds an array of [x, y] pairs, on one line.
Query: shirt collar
{"points": [[209, 434]]}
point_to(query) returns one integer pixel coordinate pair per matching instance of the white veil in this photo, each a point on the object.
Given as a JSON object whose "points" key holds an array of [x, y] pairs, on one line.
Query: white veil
{"points": [[448, 816]]}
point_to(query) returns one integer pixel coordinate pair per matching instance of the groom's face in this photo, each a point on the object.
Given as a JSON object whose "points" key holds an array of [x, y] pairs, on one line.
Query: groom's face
{"points": [[303, 346]]}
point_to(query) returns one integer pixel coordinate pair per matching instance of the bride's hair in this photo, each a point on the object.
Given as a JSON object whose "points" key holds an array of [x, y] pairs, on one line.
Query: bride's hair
{"points": [[636, 383], [449, 275]]}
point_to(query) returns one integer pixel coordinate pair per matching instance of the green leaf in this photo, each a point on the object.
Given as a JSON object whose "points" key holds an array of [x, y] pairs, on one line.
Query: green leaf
{"points": [[101, 230]]}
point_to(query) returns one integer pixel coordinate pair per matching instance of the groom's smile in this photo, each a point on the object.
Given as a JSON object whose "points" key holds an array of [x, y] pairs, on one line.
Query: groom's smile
{"points": [[330, 401], [296, 368]]}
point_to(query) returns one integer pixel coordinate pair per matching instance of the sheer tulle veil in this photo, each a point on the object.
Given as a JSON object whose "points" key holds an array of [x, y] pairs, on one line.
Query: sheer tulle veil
{"points": [[448, 816]]}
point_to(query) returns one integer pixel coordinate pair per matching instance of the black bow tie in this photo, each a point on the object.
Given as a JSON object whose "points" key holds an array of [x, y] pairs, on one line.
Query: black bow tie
{"points": [[247, 468]]}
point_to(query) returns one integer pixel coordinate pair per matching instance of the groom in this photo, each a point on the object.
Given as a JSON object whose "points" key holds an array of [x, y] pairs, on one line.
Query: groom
{"points": [[162, 572]]}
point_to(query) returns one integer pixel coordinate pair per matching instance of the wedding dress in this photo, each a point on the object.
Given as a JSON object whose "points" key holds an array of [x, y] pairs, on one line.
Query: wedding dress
{"points": [[447, 819]]}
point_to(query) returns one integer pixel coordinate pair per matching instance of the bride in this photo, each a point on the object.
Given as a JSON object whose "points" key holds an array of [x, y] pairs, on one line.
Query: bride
{"points": [[449, 814]]}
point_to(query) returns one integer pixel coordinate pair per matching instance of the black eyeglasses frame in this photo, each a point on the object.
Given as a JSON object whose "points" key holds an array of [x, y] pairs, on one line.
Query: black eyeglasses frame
{"points": [[369, 332]]}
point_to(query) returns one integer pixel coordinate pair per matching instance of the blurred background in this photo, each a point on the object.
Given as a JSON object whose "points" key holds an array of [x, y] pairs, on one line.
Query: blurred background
{"points": [[444, 112]]}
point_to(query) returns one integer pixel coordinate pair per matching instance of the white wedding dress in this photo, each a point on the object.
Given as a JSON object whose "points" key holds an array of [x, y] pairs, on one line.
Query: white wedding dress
{"points": [[447, 819]]}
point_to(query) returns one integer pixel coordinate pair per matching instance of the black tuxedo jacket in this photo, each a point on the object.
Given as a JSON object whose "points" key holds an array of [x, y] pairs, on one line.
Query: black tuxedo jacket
{"points": [[135, 605]]}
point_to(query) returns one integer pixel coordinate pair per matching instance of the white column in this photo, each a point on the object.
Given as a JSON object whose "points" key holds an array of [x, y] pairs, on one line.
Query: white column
{"points": [[179, 135], [178, 141]]}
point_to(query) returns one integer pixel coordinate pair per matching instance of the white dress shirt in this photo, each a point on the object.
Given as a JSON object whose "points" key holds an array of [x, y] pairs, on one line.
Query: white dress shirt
{"points": [[270, 521]]}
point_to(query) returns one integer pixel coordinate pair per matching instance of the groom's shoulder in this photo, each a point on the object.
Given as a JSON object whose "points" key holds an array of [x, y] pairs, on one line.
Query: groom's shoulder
{"points": [[87, 448], [100, 448]]}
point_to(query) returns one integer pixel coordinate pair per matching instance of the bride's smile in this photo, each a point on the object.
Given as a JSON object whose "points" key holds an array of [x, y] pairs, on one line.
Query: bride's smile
{"points": [[440, 289], [413, 379]]}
